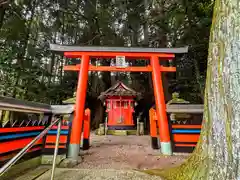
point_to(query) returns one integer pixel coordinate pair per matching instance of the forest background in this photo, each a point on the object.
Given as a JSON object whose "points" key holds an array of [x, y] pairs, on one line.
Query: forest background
{"points": [[29, 71]]}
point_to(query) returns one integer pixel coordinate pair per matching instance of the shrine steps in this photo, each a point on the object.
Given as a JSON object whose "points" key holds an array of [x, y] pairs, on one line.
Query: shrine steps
{"points": [[34, 173], [121, 132], [86, 174]]}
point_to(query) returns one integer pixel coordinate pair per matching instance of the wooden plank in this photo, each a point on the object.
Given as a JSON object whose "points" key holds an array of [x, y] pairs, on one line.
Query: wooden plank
{"points": [[33, 173], [186, 138], [117, 69], [11, 104], [21, 129], [186, 126], [16, 144], [67, 48], [185, 108], [62, 109], [185, 145]]}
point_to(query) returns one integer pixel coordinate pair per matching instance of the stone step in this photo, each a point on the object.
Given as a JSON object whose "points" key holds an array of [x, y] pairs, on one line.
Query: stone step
{"points": [[33, 174], [96, 174], [117, 132]]}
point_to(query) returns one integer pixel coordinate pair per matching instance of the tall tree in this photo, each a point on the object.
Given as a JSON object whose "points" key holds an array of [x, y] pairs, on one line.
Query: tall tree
{"points": [[217, 154], [28, 70]]}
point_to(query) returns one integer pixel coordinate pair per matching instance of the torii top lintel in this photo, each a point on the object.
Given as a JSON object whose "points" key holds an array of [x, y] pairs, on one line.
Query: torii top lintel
{"points": [[98, 51]]}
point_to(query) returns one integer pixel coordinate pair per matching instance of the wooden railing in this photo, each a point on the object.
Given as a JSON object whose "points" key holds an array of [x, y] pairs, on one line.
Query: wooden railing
{"points": [[30, 130], [20, 122], [185, 121]]}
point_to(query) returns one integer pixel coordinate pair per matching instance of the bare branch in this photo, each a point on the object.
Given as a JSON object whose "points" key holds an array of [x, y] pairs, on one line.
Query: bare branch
{"points": [[3, 2]]}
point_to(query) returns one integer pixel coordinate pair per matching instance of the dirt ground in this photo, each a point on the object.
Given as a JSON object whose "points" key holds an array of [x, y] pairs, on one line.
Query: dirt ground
{"points": [[113, 158], [125, 152]]}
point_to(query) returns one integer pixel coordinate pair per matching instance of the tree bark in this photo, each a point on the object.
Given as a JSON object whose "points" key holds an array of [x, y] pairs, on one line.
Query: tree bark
{"points": [[98, 115], [2, 15], [216, 156]]}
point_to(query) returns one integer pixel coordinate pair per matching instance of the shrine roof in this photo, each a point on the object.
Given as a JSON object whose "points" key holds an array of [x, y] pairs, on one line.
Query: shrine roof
{"points": [[73, 48], [119, 89]]}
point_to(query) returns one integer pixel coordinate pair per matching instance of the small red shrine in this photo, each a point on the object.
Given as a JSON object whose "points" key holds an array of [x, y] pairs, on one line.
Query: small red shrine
{"points": [[119, 101]]}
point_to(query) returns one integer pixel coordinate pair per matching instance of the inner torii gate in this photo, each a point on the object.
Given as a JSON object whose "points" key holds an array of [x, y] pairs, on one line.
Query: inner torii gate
{"points": [[152, 54]]}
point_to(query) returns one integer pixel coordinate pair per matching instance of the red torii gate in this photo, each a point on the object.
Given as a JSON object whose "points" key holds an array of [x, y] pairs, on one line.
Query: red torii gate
{"points": [[152, 54]]}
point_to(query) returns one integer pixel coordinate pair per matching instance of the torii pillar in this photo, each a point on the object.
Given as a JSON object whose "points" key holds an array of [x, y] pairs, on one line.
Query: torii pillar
{"points": [[166, 148], [77, 123]]}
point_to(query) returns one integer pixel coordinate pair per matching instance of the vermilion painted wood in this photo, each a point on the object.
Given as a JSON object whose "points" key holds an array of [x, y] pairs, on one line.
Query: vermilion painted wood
{"points": [[62, 127], [160, 100], [52, 139], [117, 109], [153, 123], [16, 144], [117, 69], [20, 129], [53, 146], [186, 137], [187, 126], [155, 68], [185, 145], [86, 124], [77, 122]]}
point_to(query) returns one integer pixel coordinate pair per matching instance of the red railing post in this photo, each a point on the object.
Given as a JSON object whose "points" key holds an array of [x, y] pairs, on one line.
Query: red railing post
{"points": [[153, 129], [86, 129]]}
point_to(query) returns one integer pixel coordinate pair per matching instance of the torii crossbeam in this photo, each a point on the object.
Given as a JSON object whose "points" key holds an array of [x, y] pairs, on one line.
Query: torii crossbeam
{"points": [[152, 54]]}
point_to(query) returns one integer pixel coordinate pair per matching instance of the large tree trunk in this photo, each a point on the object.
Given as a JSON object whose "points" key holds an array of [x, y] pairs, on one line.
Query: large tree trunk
{"points": [[2, 15], [217, 154]]}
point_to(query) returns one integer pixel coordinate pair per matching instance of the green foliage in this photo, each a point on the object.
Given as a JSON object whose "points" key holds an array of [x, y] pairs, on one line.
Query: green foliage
{"points": [[29, 71]]}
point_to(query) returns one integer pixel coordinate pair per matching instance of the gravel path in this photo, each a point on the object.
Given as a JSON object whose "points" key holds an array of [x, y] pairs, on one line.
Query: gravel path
{"points": [[125, 152], [115, 158]]}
